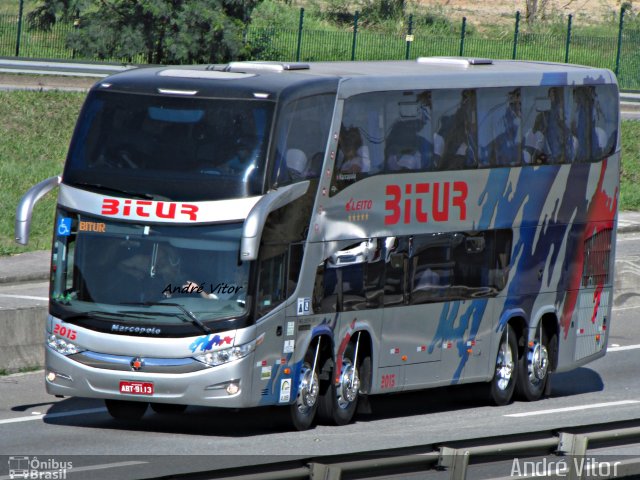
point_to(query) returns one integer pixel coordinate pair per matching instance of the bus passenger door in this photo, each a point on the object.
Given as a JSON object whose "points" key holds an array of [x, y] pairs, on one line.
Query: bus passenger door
{"points": [[409, 324]]}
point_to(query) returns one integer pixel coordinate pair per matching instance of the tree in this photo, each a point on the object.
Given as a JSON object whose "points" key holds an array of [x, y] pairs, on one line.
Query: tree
{"points": [[535, 8], [161, 31]]}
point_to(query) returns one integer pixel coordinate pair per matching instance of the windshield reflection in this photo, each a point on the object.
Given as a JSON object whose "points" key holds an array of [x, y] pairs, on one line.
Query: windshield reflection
{"points": [[148, 274]]}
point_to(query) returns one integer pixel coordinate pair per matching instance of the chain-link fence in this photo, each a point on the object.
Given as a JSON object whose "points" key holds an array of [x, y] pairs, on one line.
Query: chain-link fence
{"points": [[619, 52]]}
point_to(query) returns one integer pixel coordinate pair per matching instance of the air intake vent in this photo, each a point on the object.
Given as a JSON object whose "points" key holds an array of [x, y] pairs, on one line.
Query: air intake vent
{"points": [[597, 259], [265, 66], [265, 392], [463, 62]]}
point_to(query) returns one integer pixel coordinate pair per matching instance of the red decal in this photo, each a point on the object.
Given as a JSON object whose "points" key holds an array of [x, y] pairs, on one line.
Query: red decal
{"points": [[393, 205], [597, 296], [171, 210], [421, 215], [140, 208], [110, 206], [144, 209], [445, 200], [358, 205], [189, 210], [65, 332], [601, 209], [460, 200], [388, 380]]}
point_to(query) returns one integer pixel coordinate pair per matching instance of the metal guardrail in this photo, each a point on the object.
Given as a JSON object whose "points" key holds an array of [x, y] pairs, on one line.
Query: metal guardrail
{"points": [[454, 457]]}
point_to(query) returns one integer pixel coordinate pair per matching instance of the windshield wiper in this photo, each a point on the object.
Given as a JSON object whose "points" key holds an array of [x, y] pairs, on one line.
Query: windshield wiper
{"points": [[99, 186], [99, 315], [192, 318]]}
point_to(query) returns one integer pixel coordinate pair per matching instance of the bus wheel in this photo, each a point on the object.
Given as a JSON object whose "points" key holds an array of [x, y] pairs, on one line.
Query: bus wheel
{"points": [[338, 404], [303, 410], [505, 373], [534, 369], [126, 409], [168, 408]]}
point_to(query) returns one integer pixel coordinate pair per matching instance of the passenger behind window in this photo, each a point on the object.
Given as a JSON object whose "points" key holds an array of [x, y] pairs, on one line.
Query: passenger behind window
{"points": [[546, 142], [403, 147], [353, 156], [505, 147], [590, 139], [457, 145], [297, 163]]}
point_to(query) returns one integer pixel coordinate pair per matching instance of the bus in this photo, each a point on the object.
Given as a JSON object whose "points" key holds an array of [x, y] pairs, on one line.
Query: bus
{"points": [[309, 235]]}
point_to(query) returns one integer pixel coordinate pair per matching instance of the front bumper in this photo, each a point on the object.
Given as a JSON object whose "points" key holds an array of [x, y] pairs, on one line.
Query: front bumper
{"points": [[207, 387]]}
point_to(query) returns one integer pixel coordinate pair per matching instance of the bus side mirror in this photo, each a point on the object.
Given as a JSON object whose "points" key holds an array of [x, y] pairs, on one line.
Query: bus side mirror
{"points": [[25, 207], [254, 223]]}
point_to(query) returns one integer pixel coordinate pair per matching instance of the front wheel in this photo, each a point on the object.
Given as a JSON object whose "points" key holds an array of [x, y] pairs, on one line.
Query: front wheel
{"points": [[533, 368], [505, 372], [126, 409], [303, 410], [168, 408], [339, 402]]}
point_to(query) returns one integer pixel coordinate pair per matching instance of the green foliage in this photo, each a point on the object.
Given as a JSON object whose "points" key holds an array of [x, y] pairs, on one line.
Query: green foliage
{"points": [[630, 175], [159, 31], [36, 128]]}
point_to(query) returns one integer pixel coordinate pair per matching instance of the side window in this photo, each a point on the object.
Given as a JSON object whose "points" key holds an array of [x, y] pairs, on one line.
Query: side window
{"points": [[351, 279], [383, 132], [500, 127], [455, 141], [432, 267], [302, 136], [593, 121], [396, 270], [547, 138], [271, 279], [606, 105]]}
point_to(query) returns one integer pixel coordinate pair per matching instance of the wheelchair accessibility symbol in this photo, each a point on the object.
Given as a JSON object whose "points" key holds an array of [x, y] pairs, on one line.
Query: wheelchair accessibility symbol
{"points": [[64, 227]]}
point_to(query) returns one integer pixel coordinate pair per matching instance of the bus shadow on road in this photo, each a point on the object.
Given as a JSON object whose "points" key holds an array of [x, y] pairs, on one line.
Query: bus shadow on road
{"points": [[269, 420]]}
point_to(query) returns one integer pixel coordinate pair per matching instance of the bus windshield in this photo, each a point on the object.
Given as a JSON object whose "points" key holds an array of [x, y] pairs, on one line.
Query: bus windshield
{"points": [[175, 278], [210, 148]]}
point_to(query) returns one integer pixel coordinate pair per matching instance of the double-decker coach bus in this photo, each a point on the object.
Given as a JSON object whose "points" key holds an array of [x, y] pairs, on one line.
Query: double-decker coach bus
{"points": [[307, 235]]}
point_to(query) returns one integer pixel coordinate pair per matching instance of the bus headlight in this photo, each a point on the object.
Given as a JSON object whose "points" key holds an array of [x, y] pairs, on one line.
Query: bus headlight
{"points": [[218, 357], [61, 345]]}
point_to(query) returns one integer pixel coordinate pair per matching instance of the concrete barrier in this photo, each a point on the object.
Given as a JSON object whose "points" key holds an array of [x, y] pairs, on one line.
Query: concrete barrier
{"points": [[22, 338]]}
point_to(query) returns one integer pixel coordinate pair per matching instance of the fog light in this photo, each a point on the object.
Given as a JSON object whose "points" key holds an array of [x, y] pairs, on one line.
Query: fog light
{"points": [[51, 376], [233, 388]]}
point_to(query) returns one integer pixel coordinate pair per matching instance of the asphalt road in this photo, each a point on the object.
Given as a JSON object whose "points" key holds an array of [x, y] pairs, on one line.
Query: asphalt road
{"points": [[33, 423]]}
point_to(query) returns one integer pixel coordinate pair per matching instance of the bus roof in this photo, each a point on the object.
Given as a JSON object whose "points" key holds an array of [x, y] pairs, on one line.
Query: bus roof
{"points": [[271, 79]]}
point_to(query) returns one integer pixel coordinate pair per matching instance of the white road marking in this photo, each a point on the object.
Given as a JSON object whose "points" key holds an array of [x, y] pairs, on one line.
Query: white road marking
{"points": [[23, 297], [619, 309], [72, 413], [622, 348], [85, 469], [572, 409]]}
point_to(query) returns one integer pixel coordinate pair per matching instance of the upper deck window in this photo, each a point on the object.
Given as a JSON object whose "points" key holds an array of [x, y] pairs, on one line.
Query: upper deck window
{"points": [[454, 129], [171, 147]]}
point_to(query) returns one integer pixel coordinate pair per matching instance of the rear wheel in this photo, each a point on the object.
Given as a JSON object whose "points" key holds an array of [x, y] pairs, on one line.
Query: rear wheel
{"points": [[303, 410], [533, 367], [126, 409], [505, 371]]}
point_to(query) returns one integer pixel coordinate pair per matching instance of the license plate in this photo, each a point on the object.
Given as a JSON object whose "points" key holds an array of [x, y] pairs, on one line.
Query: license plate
{"points": [[136, 388]]}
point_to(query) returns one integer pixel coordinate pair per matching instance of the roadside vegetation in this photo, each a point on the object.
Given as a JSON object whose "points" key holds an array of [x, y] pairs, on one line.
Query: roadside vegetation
{"points": [[35, 134]]}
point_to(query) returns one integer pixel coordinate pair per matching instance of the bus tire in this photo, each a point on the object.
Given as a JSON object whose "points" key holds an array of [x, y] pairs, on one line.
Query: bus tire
{"points": [[505, 372], [533, 367], [339, 402], [303, 410], [168, 408], [126, 409]]}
